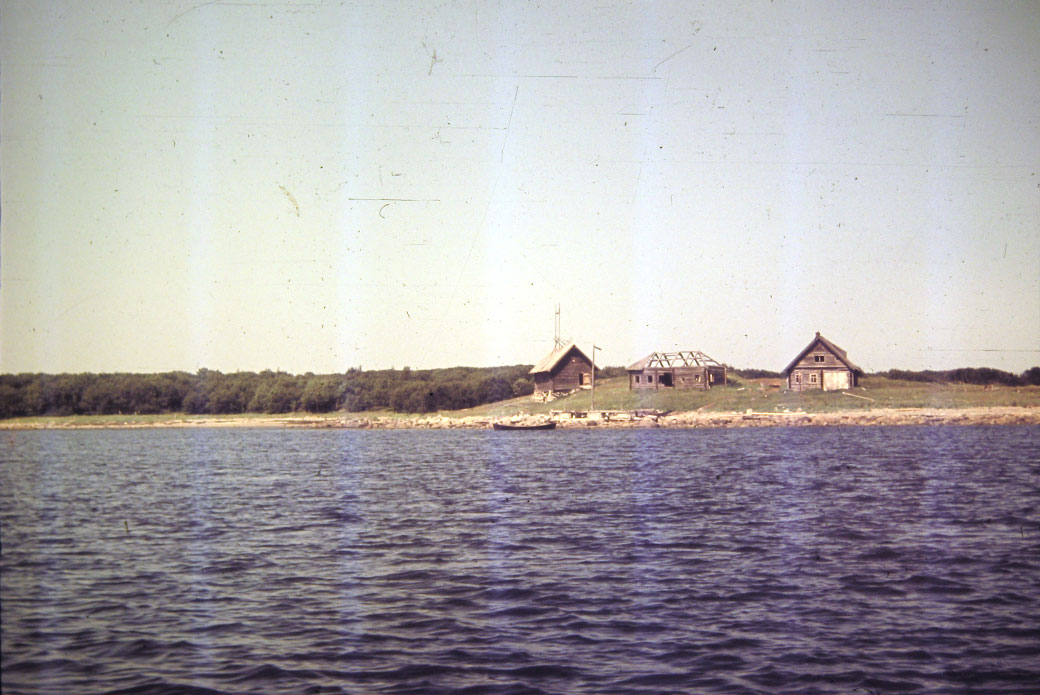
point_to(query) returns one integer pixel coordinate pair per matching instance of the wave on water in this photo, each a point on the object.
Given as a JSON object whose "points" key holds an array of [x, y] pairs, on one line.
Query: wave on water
{"points": [[875, 560]]}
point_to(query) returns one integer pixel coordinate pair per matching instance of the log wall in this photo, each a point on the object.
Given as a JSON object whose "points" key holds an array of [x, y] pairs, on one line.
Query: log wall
{"points": [[677, 377], [818, 365]]}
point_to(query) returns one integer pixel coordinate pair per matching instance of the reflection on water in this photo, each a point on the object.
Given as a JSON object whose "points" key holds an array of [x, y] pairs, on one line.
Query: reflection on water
{"points": [[627, 561]]}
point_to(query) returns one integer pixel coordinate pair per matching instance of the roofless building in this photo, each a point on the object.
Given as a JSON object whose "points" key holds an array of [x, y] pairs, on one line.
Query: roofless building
{"points": [[686, 369]]}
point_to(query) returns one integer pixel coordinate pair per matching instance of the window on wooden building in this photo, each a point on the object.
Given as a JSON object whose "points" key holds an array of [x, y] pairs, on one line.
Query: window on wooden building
{"points": [[819, 358], [637, 378], [812, 378], [649, 378]]}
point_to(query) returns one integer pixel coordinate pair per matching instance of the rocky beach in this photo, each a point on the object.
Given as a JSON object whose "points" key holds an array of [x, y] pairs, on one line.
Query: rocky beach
{"points": [[580, 420]]}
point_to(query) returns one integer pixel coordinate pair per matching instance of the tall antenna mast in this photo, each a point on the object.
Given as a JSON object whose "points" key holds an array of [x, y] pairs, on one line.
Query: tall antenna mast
{"points": [[557, 341]]}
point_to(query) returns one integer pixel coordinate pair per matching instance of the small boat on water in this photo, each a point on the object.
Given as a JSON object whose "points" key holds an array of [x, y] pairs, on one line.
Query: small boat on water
{"points": [[520, 426]]}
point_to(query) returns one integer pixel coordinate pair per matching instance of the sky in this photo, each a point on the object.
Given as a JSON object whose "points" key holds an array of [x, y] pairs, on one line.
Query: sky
{"points": [[318, 185]]}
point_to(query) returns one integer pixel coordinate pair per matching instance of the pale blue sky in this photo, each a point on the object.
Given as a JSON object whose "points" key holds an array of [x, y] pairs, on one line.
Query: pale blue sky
{"points": [[311, 186]]}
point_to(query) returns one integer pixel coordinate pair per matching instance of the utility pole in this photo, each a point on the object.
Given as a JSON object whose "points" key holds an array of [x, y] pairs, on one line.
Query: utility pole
{"points": [[593, 405], [557, 340]]}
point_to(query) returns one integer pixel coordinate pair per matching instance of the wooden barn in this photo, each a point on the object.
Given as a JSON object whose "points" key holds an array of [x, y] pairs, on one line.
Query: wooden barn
{"points": [[822, 365], [561, 371], [686, 369]]}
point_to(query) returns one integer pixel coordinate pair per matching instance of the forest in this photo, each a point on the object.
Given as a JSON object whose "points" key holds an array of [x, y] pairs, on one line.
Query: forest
{"points": [[212, 392], [980, 376]]}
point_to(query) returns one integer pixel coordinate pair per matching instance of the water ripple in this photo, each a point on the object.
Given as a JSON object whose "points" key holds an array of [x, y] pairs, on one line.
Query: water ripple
{"points": [[874, 560]]}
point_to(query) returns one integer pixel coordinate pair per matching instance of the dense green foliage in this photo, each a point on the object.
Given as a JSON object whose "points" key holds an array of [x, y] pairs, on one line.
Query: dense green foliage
{"points": [[403, 390], [756, 373], [968, 375], [211, 392]]}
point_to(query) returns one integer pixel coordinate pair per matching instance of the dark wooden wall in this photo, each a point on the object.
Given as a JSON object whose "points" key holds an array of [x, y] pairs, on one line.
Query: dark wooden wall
{"points": [[808, 367], [682, 378], [570, 373]]}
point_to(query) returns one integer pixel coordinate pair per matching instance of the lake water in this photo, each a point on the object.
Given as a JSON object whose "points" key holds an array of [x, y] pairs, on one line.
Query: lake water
{"points": [[803, 560]]}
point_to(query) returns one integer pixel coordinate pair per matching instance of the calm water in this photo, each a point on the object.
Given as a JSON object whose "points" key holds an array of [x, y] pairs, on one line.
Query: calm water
{"points": [[873, 560]]}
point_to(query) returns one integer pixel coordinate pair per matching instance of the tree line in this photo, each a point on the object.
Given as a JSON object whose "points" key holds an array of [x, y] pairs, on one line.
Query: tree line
{"points": [[402, 390], [968, 375], [981, 376], [213, 392]]}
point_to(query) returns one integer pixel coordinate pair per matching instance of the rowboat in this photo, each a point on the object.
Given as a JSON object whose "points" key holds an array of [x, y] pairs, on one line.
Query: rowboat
{"points": [[537, 426]]}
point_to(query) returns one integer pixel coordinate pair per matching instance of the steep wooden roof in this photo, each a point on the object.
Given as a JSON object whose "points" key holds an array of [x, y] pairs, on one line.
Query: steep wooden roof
{"points": [[834, 349], [549, 362]]}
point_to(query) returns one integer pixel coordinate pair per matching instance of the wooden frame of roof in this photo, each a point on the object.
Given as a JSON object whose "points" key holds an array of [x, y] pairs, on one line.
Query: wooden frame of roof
{"points": [[685, 369], [668, 360]]}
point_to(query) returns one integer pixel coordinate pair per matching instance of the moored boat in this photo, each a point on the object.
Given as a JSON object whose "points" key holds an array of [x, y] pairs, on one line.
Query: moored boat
{"points": [[520, 426]]}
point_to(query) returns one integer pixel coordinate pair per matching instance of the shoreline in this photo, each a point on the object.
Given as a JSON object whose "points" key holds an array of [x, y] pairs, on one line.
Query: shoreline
{"points": [[999, 415]]}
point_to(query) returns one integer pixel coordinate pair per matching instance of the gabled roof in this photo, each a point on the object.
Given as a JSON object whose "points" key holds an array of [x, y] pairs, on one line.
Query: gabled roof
{"points": [[549, 362], [834, 349], [667, 360]]}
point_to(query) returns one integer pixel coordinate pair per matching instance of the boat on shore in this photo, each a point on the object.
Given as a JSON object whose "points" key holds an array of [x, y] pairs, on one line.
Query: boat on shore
{"points": [[521, 426]]}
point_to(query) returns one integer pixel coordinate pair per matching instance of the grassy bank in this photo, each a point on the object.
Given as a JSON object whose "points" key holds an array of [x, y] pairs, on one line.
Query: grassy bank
{"points": [[764, 395], [760, 396], [163, 419]]}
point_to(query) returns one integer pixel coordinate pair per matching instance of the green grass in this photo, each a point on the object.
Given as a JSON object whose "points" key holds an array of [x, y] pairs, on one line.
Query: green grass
{"points": [[96, 420], [613, 394], [760, 396]]}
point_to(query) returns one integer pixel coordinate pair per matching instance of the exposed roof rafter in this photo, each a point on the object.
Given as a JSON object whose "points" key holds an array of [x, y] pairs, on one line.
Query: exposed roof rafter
{"points": [[670, 360]]}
